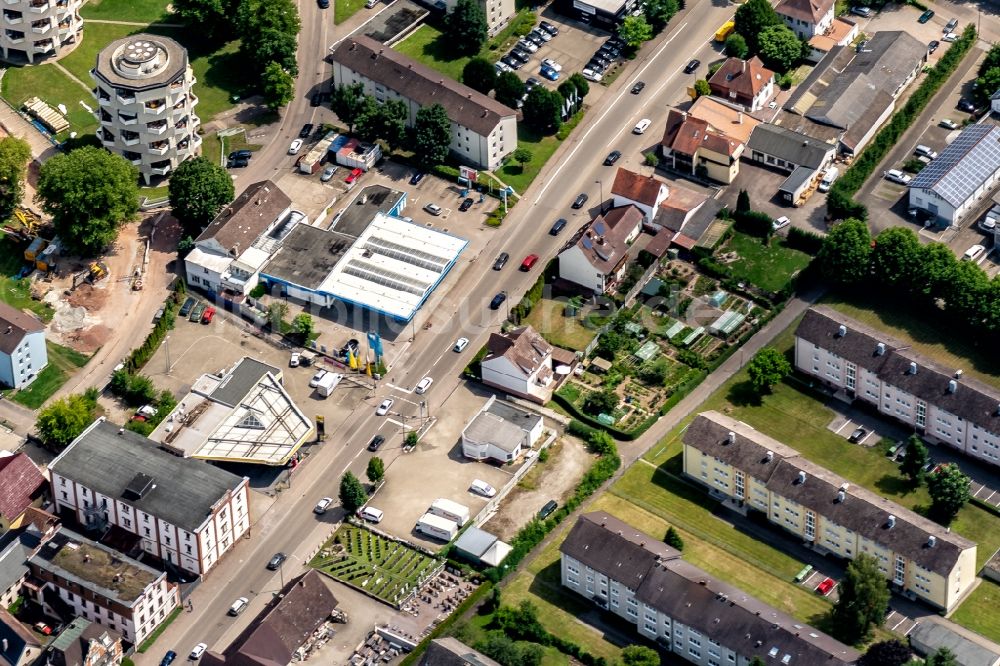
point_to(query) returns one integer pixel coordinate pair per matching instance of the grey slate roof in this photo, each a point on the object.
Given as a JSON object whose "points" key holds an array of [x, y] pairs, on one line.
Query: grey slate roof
{"points": [[929, 636], [14, 325], [475, 541], [15, 638], [184, 492], [795, 147], [14, 557], [239, 224], [690, 595], [972, 399], [888, 59], [244, 377], [961, 168], [450, 651], [862, 511]]}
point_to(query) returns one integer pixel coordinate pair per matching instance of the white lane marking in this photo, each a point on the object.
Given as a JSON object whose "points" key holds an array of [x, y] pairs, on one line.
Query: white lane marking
{"points": [[394, 421], [400, 389]]}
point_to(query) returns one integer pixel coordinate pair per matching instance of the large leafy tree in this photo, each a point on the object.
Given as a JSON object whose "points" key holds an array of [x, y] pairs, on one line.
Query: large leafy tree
{"points": [[863, 602], [845, 255], [886, 653], [211, 17], [751, 19], [348, 102], [779, 47], [896, 256], [600, 402], [90, 193], [736, 46], [65, 419], [942, 657], [268, 30], [701, 88], [509, 89], [987, 83], [479, 74], [15, 154], [934, 270], [965, 292], [914, 459], [352, 494], [659, 12], [543, 109], [582, 84], [385, 121], [376, 469], [278, 86], [198, 190], [467, 28], [640, 655], [635, 30], [767, 367], [949, 491], [431, 135]]}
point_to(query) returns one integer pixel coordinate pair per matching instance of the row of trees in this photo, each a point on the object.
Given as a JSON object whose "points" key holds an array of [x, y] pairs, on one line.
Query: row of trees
{"points": [[988, 76], [760, 31]]}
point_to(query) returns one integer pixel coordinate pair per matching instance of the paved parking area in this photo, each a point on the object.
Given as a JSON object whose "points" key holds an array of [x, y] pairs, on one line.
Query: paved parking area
{"points": [[813, 580], [762, 185]]}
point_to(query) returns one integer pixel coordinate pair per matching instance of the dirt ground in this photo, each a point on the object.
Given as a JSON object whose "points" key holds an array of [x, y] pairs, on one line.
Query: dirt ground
{"points": [[556, 479]]}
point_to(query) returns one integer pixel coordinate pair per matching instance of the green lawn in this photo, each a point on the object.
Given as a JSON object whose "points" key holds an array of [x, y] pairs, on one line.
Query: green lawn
{"points": [[146, 11], [345, 9], [429, 46], [17, 293], [54, 88], [547, 318], [770, 268], [979, 611], [211, 147], [63, 362], [96, 37], [541, 148]]}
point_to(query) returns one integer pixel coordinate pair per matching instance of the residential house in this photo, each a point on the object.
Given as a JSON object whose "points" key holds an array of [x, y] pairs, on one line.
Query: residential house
{"points": [[498, 13], [842, 32], [683, 608], [644, 192], [690, 145], [806, 18], [18, 645], [15, 549], [957, 182], [598, 259], [483, 131], [22, 485], [724, 117], [85, 643], [285, 630], [22, 347], [804, 157], [500, 432], [744, 82], [72, 576], [757, 473], [522, 363], [862, 363], [184, 512], [449, 651], [229, 253]]}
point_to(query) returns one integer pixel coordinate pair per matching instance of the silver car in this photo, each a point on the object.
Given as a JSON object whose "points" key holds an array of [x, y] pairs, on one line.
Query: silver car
{"points": [[328, 173]]}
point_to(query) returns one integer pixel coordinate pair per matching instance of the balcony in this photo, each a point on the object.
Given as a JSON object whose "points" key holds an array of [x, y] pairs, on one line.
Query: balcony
{"points": [[127, 118], [125, 97], [12, 18], [105, 117], [15, 36], [161, 168], [39, 6], [133, 157], [130, 138], [158, 127], [41, 27], [105, 136], [44, 46], [159, 147], [155, 107], [103, 98], [234, 281]]}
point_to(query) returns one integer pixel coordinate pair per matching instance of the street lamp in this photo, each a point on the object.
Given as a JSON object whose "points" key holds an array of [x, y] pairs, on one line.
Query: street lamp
{"points": [[505, 300], [601, 183], [166, 348]]}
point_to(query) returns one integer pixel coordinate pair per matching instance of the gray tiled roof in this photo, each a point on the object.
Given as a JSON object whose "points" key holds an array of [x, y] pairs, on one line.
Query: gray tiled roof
{"points": [[107, 460], [964, 166], [14, 557], [450, 651], [14, 325], [795, 147], [239, 224]]}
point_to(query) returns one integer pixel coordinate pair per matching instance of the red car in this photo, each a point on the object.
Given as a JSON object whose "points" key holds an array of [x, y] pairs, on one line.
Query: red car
{"points": [[528, 262], [825, 587], [206, 318], [353, 176], [43, 628]]}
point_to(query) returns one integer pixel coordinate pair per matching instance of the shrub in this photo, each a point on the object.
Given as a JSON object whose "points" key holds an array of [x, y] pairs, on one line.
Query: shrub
{"points": [[806, 241]]}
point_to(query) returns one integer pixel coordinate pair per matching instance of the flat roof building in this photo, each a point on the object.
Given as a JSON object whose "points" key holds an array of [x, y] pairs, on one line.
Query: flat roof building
{"points": [[500, 432]]}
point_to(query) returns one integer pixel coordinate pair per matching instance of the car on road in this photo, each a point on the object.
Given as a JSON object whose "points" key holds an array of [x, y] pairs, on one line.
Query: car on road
{"points": [[557, 226], [241, 604], [501, 261], [862, 11], [433, 209], [591, 75], [926, 16], [322, 505], [824, 587], [196, 312], [580, 201], [692, 66], [549, 28], [549, 62], [168, 658], [295, 146], [780, 223], [314, 382], [549, 73], [376, 443], [547, 509], [241, 154], [933, 45], [323, 4], [294, 360], [384, 407], [948, 123], [275, 561], [416, 177], [950, 37], [641, 126], [353, 176], [466, 204], [186, 308], [498, 300], [306, 130], [897, 176], [423, 385], [460, 344], [528, 262], [858, 435], [206, 317], [480, 487], [328, 173], [637, 88], [612, 157], [966, 105], [237, 163]]}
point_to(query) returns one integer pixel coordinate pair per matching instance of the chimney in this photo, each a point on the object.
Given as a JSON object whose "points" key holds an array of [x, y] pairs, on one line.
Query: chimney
{"points": [[880, 349], [121, 432], [913, 368], [731, 437], [841, 496], [952, 386], [10, 329], [739, 118], [769, 456], [684, 115], [958, 373], [744, 65], [892, 521], [931, 540], [802, 477], [841, 331]]}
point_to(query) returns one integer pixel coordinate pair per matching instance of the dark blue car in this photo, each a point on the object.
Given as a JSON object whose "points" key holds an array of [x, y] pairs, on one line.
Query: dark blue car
{"points": [[168, 658]]}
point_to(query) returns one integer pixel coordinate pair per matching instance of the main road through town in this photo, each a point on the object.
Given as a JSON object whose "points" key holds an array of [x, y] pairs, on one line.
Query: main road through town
{"points": [[289, 525]]}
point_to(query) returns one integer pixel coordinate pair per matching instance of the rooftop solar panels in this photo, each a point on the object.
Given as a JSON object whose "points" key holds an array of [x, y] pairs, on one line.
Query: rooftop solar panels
{"points": [[971, 159]]}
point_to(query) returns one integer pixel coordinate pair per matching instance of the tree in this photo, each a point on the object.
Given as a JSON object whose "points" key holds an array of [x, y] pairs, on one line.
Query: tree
{"points": [[522, 156], [467, 28], [751, 19], [653, 373], [15, 154], [90, 193], [673, 539], [276, 312], [303, 326], [701, 88], [278, 86], [352, 494], [198, 190], [600, 402], [376, 470], [987, 84], [659, 12], [640, 655], [886, 653], [347, 102], [208, 15], [582, 84], [864, 599], [935, 268], [914, 459], [269, 29], [942, 657], [846, 251], [65, 419], [635, 30], [543, 109], [896, 256], [991, 60], [949, 491], [767, 367], [509, 89], [779, 47], [431, 135], [385, 120], [743, 202], [479, 74], [736, 46]]}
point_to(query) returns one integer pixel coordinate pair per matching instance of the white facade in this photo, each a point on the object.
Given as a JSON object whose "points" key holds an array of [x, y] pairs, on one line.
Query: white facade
{"points": [[576, 266], [498, 13], [146, 103], [490, 436], [805, 28], [648, 209], [940, 208], [21, 366], [40, 28], [502, 373]]}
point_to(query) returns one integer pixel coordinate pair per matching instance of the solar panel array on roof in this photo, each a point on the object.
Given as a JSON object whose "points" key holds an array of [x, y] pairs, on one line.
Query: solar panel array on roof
{"points": [[587, 242], [600, 228], [373, 273], [407, 254], [971, 159]]}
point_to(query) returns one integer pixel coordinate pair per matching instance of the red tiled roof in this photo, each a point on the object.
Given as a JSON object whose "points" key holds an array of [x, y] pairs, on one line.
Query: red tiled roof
{"points": [[746, 78], [636, 187], [20, 479], [660, 243], [685, 134], [804, 10]]}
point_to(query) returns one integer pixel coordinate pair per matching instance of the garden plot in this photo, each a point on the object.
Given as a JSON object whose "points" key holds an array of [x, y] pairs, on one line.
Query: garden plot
{"points": [[379, 566]]}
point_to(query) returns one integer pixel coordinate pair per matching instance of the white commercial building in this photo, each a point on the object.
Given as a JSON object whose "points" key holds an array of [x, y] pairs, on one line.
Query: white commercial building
{"points": [[500, 432], [186, 513], [146, 103], [40, 28], [22, 347]]}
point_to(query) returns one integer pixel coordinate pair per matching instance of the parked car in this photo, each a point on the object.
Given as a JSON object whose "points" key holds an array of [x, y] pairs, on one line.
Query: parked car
{"points": [[353, 176], [540, 34], [376, 443], [322, 505], [196, 311], [498, 300], [520, 55], [599, 60], [926, 16], [294, 360], [371, 514], [966, 105], [862, 45], [306, 130], [780, 223], [547, 509], [591, 75], [206, 317], [328, 173], [314, 382], [862, 11], [557, 226], [295, 146], [973, 253], [580, 200], [43, 628], [480, 487], [466, 204], [692, 66], [433, 209], [549, 28], [168, 658], [897, 176], [241, 154], [371, 3], [531, 82], [237, 164], [423, 385], [530, 47], [637, 88], [947, 123], [951, 25], [925, 151], [549, 73], [384, 407], [316, 99], [549, 62], [858, 435], [933, 45], [241, 604], [501, 261], [460, 344], [512, 62], [501, 67], [275, 561], [612, 157], [950, 37], [186, 308], [824, 587], [609, 52], [641, 126]]}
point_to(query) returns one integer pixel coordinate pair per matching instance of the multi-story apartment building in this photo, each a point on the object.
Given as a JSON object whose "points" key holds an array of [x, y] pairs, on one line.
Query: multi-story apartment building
{"points": [[498, 13], [40, 28], [71, 574], [22, 347], [483, 131], [145, 103], [681, 607], [182, 511], [920, 558], [942, 404]]}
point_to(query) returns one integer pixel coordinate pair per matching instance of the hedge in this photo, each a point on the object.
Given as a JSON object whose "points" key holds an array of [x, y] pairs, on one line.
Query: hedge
{"points": [[141, 354], [805, 241]]}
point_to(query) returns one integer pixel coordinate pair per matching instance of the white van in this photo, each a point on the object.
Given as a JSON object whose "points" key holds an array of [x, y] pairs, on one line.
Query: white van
{"points": [[973, 253], [371, 514], [829, 176]]}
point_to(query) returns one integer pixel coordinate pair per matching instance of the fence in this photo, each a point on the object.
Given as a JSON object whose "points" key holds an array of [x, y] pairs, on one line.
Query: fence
{"points": [[491, 507]]}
